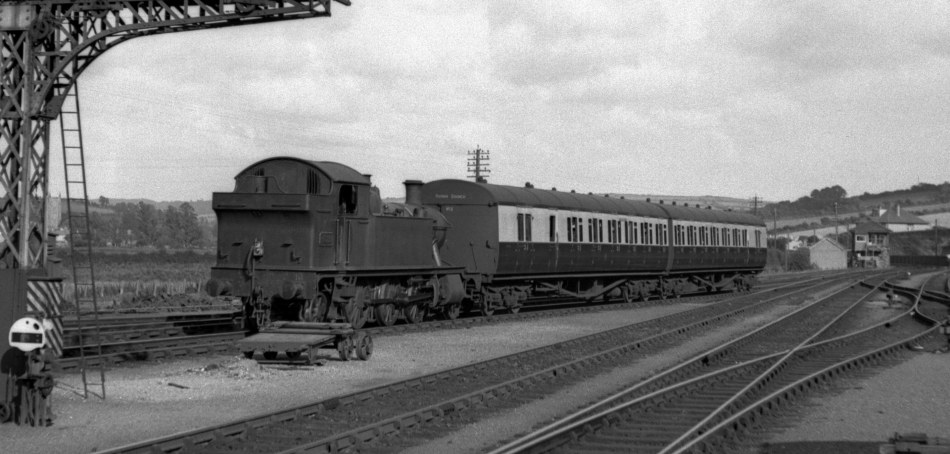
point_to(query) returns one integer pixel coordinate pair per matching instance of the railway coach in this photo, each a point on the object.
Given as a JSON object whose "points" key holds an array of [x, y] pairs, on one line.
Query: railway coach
{"points": [[313, 241], [516, 242]]}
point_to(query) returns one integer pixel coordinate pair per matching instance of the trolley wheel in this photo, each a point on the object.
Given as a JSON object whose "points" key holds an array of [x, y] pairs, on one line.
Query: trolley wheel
{"points": [[514, 309], [345, 348], [452, 311], [249, 354], [293, 354], [414, 313], [386, 314], [270, 355], [364, 346]]}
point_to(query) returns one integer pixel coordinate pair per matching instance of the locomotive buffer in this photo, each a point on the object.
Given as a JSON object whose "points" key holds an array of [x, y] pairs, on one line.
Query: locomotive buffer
{"points": [[294, 339]]}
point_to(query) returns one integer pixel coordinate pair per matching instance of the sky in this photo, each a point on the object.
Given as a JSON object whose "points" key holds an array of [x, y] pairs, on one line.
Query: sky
{"points": [[726, 98]]}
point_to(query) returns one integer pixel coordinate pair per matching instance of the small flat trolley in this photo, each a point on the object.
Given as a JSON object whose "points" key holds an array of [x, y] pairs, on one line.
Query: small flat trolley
{"points": [[299, 342]]}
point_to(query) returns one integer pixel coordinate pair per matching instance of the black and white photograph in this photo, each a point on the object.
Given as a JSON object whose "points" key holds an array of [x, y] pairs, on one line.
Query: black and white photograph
{"points": [[373, 226]]}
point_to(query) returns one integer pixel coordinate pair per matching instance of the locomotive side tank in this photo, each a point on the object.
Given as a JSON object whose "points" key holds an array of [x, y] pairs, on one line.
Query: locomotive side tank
{"points": [[311, 241]]}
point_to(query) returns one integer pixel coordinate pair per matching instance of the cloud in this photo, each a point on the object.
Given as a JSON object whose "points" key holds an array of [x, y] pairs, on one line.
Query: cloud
{"points": [[769, 98]]}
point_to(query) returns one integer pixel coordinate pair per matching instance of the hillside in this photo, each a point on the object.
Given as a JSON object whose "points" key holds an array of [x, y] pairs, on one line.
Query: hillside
{"points": [[818, 209], [927, 242]]}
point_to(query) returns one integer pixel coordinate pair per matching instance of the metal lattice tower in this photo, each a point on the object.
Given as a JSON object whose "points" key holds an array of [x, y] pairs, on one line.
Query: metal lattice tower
{"points": [[44, 47], [46, 44]]}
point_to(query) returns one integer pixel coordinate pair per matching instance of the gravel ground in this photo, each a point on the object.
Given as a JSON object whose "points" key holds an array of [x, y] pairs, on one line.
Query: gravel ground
{"points": [[492, 432], [911, 396], [151, 400]]}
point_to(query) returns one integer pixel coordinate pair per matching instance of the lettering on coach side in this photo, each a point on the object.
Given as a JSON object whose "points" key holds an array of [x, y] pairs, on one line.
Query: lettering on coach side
{"points": [[450, 196]]}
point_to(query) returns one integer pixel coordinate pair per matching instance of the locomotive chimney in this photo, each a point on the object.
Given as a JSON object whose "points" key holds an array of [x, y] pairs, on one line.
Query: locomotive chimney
{"points": [[413, 192]]}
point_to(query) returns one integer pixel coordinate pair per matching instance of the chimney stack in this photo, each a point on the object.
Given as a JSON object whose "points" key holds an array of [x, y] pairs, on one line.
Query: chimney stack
{"points": [[413, 192]]}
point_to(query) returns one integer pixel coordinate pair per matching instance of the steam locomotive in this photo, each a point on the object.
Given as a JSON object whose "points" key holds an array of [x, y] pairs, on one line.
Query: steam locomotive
{"points": [[314, 241]]}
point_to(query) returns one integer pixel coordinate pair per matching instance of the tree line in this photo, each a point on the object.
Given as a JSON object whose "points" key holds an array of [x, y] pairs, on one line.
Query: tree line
{"points": [[141, 224]]}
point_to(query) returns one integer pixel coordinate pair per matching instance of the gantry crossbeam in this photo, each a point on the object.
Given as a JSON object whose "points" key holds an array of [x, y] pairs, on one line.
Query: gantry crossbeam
{"points": [[46, 44]]}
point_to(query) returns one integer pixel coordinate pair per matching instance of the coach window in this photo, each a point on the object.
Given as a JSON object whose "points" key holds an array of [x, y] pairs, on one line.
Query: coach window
{"points": [[552, 229], [524, 227], [520, 227], [528, 220]]}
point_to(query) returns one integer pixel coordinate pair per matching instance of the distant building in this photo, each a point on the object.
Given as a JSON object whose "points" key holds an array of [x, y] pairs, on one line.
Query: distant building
{"points": [[827, 254], [895, 221], [869, 245]]}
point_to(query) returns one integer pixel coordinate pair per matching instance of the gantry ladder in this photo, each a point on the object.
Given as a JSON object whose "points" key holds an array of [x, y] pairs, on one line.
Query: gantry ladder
{"points": [[80, 239]]}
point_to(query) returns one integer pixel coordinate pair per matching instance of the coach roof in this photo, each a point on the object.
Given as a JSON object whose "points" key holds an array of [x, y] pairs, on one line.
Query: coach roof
{"points": [[471, 193]]}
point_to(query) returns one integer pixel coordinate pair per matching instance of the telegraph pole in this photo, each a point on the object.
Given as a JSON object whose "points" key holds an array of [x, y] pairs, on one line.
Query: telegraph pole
{"points": [[478, 165], [836, 222]]}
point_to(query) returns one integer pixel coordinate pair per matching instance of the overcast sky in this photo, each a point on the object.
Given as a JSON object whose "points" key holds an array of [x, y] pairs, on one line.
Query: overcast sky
{"points": [[682, 98]]}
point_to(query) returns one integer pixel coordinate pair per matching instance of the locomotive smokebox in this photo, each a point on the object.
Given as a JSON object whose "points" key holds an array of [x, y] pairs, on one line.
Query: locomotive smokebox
{"points": [[413, 192]]}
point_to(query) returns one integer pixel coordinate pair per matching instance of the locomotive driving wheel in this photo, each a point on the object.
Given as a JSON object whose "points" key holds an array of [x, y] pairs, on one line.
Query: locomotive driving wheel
{"points": [[357, 311], [626, 294], [484, 307], [414, 313], [6, 412], [313, 310], [386, 314], [452, 311]]}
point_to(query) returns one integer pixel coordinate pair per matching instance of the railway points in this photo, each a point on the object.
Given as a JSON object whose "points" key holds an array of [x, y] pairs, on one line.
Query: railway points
{"points": [[464, 346], [152, 382]]}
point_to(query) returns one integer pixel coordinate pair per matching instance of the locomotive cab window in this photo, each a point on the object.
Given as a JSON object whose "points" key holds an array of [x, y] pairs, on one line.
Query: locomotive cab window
{"points": [[347, 199]]}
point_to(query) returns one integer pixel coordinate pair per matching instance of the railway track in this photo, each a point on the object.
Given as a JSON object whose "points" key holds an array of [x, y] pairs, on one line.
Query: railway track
{"points": [[360, 419], [132, 337], [711, 411], [160, 335]]}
